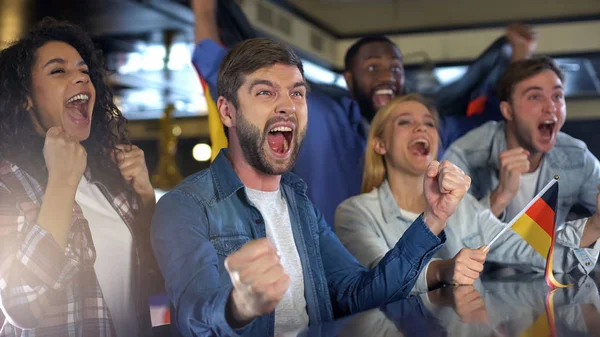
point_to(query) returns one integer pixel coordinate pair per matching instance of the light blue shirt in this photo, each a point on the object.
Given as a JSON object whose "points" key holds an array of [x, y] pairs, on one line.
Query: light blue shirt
{"points": [[369, 225], [477, 153]]}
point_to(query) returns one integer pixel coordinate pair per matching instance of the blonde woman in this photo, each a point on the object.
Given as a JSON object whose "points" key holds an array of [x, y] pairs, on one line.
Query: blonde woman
{"points": [[403, 139]]}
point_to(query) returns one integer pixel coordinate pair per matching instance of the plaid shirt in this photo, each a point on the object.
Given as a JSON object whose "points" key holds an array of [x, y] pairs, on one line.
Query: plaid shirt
{"points": [[46, 290]]}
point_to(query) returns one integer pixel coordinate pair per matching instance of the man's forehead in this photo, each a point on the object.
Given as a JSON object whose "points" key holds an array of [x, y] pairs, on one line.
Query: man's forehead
{"points": [[544, 80], [380, 49], [278, 72]]}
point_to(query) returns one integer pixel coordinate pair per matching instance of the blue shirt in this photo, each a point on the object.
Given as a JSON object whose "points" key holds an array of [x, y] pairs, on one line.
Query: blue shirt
{"points": [[209, 216]]}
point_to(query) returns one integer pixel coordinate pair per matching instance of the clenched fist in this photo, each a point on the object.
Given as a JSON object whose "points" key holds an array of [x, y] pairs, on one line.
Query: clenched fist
{"points": [[259, 281], [513, 163], [444, 186], [132, 164], [66, 158], [523, 41]]}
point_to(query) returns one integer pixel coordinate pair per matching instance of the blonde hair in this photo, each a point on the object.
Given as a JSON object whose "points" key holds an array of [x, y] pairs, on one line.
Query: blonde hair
{"points": [[375, 171]]}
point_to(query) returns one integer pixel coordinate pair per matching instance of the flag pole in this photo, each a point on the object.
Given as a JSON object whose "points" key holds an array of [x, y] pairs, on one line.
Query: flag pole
{"points": [[512, 222]]}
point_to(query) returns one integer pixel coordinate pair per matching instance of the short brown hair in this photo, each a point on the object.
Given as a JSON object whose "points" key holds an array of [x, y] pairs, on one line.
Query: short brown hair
{"points": [[524, 69], [249, 56]]}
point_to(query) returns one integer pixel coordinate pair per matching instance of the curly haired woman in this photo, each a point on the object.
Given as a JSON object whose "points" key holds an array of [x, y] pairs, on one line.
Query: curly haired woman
{"points": [[75, 195]]}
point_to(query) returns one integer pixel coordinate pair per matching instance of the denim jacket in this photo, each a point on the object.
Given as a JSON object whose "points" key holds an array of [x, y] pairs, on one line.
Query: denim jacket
{"points": [[477, 153], [208, 217]]}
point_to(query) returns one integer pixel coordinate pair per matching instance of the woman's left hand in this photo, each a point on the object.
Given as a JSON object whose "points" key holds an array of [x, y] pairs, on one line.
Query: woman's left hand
{"points": [[132, 163]]}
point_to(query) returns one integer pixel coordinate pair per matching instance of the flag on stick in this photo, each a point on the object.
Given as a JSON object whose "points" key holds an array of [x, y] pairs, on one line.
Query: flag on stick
{"points": [[536, 224]]}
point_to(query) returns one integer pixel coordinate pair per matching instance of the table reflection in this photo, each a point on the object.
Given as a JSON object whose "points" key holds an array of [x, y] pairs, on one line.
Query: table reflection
{"points": [[496, 305]]}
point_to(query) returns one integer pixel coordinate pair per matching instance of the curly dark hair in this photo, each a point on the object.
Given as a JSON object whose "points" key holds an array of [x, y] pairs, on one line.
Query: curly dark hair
{"points": [[17, 133]]}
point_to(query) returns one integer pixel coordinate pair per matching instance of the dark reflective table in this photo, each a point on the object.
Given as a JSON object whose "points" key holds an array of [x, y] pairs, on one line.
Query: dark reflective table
{"points": [[499, 304]]}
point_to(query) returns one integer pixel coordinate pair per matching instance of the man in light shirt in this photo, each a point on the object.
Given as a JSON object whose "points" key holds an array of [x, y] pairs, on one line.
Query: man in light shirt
{"points": [[512, 160]]}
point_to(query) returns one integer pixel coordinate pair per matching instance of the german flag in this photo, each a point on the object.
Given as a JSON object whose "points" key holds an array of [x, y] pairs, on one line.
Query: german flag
{"points": [[536, 224]]}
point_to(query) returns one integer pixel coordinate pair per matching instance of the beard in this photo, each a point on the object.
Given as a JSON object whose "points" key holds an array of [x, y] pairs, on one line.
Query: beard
{"points": [[252, 142], [365, 102], [525, 141]]}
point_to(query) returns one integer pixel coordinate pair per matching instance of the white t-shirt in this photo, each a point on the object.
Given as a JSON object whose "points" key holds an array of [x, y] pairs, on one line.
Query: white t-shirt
{"points": [[527, 190], [114, 254], [290, 313]]}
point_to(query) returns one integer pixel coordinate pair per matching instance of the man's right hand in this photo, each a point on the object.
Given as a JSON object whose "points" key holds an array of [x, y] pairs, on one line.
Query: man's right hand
{"points": [[513, 163], [259, 281], [66, 158]]}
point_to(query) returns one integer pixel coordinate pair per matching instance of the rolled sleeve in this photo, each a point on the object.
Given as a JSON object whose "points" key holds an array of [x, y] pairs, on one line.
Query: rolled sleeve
{"points": [[51, 264], [31, 265], [570, 236], [435, 241], [419, 244], [487, 204]]}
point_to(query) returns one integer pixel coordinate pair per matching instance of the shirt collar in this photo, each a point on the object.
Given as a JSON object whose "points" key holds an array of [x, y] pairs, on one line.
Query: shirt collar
{"points": [[227, 181], [389, 207]]}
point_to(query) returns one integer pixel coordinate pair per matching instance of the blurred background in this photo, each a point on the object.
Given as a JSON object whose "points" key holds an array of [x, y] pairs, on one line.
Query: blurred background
{"points": [[148, 43]]}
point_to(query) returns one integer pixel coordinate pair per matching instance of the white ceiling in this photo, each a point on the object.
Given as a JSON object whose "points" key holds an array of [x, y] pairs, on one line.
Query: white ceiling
{"points": [[362, 16]]}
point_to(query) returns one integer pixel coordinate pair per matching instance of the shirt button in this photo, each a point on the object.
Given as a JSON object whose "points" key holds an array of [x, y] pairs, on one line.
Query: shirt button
{"points": [[587, 263]]}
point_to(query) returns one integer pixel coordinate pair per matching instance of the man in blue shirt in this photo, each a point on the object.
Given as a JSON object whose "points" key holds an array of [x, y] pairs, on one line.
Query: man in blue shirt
{"points": [[330, 161], [242, 248]]}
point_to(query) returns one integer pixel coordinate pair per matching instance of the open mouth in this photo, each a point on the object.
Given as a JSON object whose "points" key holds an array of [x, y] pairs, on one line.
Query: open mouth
{"points": [[382, 96], [547, 128], [419, 147], [77, 106], [280, 139]]}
